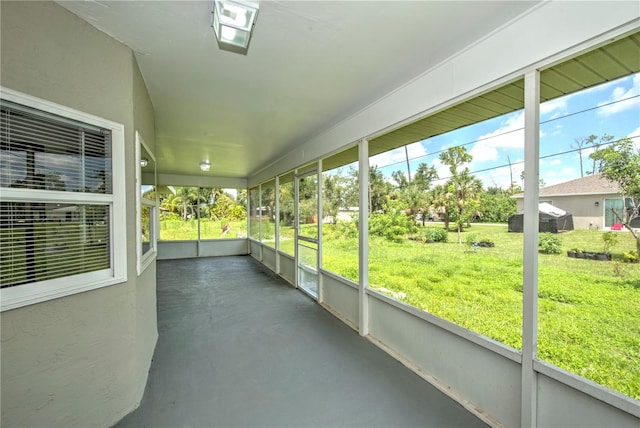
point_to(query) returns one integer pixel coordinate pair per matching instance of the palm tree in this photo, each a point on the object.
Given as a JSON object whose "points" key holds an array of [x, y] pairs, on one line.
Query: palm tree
{"points": [[183, 201], [464, 187], [440, 201]]}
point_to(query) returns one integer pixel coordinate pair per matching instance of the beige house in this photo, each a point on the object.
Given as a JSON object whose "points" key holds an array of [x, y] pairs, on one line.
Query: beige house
{"points": [[589, 199]]}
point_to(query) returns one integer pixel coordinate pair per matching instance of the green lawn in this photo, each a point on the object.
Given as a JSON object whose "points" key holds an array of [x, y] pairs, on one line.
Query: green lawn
{"points": [[589, 320], [181, 230]]}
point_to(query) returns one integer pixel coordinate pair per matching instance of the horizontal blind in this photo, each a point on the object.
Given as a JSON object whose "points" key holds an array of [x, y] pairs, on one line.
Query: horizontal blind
{"points": [[41, 241], [39, 152]]}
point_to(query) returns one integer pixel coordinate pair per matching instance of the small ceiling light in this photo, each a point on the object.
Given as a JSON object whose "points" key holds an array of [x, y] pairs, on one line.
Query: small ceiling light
{"points": [[205, 166], [233, 21], [597, 204], [144, 162]]}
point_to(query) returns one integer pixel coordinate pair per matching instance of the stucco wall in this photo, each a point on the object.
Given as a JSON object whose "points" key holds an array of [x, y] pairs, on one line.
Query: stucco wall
{"points": [[586, 215], [81, 360], [146, 316]]}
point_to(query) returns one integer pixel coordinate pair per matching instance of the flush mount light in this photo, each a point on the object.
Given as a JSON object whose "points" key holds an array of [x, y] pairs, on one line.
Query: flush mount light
{"points": [[205, 166], [144, 162], [233, 21]]}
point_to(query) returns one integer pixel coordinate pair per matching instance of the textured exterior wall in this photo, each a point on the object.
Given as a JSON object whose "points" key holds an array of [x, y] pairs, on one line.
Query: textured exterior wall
{"points": [[146, 317], [81, 360], [586, 215]]}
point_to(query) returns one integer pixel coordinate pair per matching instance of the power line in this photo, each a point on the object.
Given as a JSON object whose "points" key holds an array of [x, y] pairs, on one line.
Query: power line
{"points": [[517, 130], [513, 130]]}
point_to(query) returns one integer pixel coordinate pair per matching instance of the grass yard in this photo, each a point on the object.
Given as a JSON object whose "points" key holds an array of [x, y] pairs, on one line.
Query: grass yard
{"points": [[589, 311], [187, 230]]}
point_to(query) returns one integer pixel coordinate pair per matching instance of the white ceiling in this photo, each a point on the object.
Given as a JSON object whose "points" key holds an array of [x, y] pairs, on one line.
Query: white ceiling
{"points": [[310, 64]]}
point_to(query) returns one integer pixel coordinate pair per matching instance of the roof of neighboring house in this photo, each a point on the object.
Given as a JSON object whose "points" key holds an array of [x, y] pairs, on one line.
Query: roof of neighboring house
{"points": [[588, 185]]}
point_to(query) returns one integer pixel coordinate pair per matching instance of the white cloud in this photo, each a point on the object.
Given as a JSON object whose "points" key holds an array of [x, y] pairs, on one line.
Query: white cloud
{"points": [[501, 177], [555, 162], [614, 103], [442, 169], [635, 137], [557, 107], [510, 135], [398, 155], [587, 151], [556, 176]]}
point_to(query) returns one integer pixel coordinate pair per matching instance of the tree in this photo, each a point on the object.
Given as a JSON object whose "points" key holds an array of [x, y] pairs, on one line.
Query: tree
{"points": [[225, 208], [393, 224], [464, 187], [181, 202], [413, 193], [401, 179], [578, 144], [424, 176], [440, 202], [207, 197], [596, 143], [497, 205], [285, 194], [333, 189], [620, 164], [413, 198], [378, 188], [241, 197]]}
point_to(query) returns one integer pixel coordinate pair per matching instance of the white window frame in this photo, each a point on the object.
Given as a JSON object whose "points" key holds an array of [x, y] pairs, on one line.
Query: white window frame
{"points": [[28, 294], [144, 260]]}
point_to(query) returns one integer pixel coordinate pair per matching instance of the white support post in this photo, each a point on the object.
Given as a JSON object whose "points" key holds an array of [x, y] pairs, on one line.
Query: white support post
{"points": [[363, 235], [531, 224], [248, 219], [198, 218], [260, 220], [276, 193], [320, 215], [296, 227]]}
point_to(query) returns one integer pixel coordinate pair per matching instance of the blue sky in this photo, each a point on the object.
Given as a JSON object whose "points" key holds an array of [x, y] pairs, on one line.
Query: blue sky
{"points": [[612, 108]]}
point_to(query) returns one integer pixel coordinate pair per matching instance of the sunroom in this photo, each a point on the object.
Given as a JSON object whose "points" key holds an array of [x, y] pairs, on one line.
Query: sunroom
{"points": [[134, 142]]}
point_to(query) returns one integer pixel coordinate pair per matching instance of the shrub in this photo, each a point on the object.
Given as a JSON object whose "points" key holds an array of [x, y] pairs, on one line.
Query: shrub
{"points": [[345, 229], [609, 240], [630, 257], [548, 243], [432, 234], [470, 239], [618, 270], [393, 225]]}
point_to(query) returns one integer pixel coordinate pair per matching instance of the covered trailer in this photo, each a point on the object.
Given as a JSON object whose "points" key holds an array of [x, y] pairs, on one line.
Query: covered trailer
{"points": [[552, 219]]}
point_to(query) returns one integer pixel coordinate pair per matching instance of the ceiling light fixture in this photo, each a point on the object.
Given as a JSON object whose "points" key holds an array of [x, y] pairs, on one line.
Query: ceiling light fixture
{"points": [[144, 162], [205, 166], [233, 22]]}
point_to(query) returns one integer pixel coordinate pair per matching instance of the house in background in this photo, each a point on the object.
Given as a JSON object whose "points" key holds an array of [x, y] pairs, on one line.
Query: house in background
{"points": [[590, 200]]}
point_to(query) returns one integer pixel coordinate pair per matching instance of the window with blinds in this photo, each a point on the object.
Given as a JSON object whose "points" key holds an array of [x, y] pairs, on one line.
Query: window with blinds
{"points": [[55, 196]]}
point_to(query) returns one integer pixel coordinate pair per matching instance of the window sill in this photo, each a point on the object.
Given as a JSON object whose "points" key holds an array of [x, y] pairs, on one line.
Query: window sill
{"points": [[29, 294]]}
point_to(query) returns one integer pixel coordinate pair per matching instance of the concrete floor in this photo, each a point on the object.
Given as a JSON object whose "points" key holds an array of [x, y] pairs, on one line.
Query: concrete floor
{"points": [[238, 347]]}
